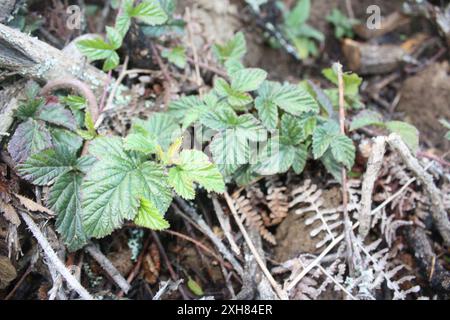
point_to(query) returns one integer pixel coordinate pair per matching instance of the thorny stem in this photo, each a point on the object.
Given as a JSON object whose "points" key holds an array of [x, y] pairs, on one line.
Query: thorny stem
{"points": [[347, 222], [53, 258]]}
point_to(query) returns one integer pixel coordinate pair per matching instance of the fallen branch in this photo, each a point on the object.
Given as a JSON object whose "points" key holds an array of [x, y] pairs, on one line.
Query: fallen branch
{"points": [[373, 168], [108, 267], [438, 211], [53, 258], [36, 59]]}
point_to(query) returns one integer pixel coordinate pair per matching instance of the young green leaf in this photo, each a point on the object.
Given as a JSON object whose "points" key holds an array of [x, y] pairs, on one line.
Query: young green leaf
{"points": [[66, 138], [74, 102], [195, 287], [29, 138], [159, 125], [148, 216], [352, 81], [407, 132], [177, 56], [234, 49], [276, 157], [114, 186], [194, 166], [299, 14], [332, 165], [29, 109], [246, 80]]}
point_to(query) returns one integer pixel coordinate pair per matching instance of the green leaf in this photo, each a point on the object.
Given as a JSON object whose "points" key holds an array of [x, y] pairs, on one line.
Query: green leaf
{"points": [[56, 114], [111, 62], [299, 14], [66, 138], [292, 129], [149, 12], [85, 163], [29, 138], [160, 125], [143, 141], [187, 110], [295, 100], [220, 119], [276, 157], [268, 112], [322, 138], [246, 80], [332, 165], [29, 109], [366, 118], [407, 132], [230, 148], [233, 66], [95, 49], [234, 49], [177, 56], [195, 287], [74, 102], [114, 186], [351, 81], [194, 166], [114, 37], [234, 97], [343, 150], [148, 216], [65, 201], [123, 20], [301, 156], [43, 167]]}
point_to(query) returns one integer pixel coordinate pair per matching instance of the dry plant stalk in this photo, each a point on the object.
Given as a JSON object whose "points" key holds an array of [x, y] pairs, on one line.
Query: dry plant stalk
{"points": [[438, 211], [373, 168]]}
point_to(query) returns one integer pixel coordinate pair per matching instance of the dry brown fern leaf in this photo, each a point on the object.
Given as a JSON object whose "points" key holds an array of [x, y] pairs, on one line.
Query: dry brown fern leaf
{"points": [[277, 200], [253, 219]]}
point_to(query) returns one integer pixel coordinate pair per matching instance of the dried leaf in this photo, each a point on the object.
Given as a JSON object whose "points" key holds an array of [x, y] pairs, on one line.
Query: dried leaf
{"points": [[32, 205]]}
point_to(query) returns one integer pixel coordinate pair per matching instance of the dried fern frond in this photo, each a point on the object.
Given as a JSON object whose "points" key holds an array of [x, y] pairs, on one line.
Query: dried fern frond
{"points": [[389, 226], [377, 268], [309, 199], [252, 218], [277, 200]]}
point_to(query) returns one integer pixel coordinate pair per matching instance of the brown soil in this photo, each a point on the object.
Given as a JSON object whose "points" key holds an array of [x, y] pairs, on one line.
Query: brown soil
{"points": [[425, 100]]}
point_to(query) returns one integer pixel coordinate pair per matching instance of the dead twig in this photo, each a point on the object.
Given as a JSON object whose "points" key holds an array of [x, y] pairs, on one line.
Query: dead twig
{"points": [[225, 224], [438, 211], [108, 267], [279, 291], [53, 258]]}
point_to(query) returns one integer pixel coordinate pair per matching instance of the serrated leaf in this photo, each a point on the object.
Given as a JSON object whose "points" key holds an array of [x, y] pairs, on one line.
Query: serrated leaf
{"points": [[29, 109], [366, 118], [75, 102], [220, 119], [322, 138], [332, 165], [352, 81], [295, 100], [233, 65], [123, 20], [301, 156], [268, 112], [159, 125], [194, 166], [114, 37], [407, 132], [230, 148], [29, 138], [234, 97], [149, 12], [43, 167], [66, 138], [58, 115], [343, 150], [148, 216], [276, 157], [65, 201], [234, 49], [114, 186], [292, 129], [111, 62], [85, 163], [94, 49], [187, 110], [246, 80]]}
